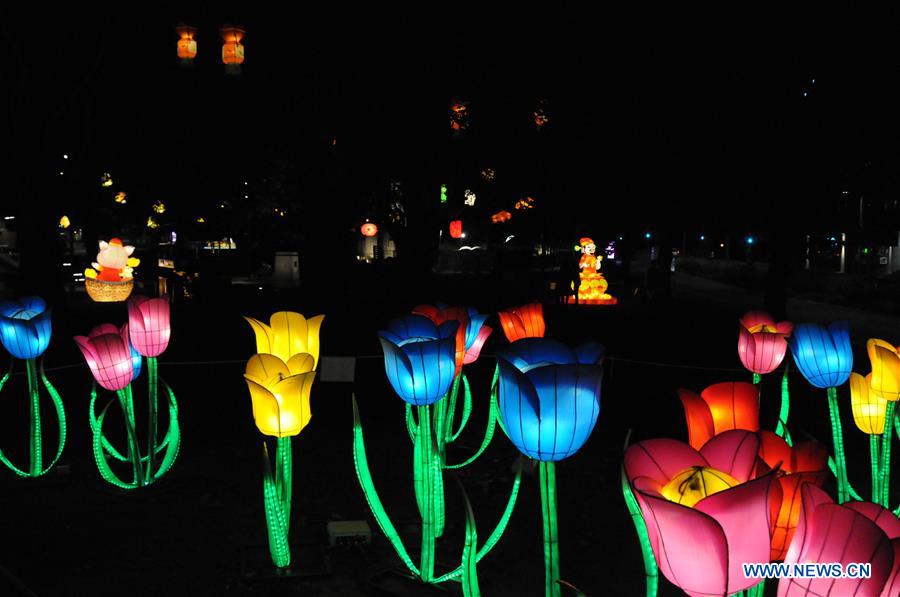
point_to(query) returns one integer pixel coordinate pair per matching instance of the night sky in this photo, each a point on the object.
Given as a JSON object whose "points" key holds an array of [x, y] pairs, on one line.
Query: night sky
{"points": [[672, 120]]}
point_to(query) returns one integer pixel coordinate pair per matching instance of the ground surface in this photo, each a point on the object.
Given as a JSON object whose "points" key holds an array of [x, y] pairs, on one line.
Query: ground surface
{"points": [[200, 530]]}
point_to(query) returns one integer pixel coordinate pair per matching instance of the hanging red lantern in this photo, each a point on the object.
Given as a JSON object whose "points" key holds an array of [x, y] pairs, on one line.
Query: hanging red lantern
{"points": [[368, 229], [187, 47], [232, 50], [456, 230]]}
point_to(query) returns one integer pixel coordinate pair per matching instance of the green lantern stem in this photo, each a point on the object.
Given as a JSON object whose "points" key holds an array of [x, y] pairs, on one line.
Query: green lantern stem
{"points": [[838, 438], [757, 590], [425, 480], [151, 416], [651, 570], [102, 446], [756, 379], [885, 461], [466, 412], [498, 531], [35, 440], [547, 479], [35, 457], [277, 500], [781, 428], [360, 462], [874, 451], [364, 475]]}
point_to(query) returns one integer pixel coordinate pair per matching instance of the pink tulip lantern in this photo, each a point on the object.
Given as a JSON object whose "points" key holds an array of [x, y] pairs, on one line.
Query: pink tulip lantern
{"points": [[705, 513], [852, 533]]}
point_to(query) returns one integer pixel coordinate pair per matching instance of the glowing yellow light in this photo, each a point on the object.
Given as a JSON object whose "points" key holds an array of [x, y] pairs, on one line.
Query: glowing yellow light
{"points": [[868, 405], [159, 207], [695, 483], [151, 223], [64, 222], [187, 46], [120, 198], [106, 180], [526, 203], [280, 392], [232, 49], [201, 220], [488, 174], [287, 335]]}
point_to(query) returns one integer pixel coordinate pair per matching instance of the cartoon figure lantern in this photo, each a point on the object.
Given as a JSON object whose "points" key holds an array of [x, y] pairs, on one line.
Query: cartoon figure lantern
{"points": [[111, 277], [25, 333], [592, 289], [114, 357], [187, 46]]}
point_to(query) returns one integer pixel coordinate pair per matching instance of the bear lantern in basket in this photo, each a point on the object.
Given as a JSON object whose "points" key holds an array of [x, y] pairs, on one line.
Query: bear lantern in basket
{"points": [[111, 277]]}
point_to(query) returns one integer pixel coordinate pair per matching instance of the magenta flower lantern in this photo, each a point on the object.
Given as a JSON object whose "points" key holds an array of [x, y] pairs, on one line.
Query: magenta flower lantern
{"points": [[108, 354], [857, 532], [704, 512], [148, 323], [762, 343]]}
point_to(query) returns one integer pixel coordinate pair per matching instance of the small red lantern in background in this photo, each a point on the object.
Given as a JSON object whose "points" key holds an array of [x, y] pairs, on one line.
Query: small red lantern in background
{"points": [[368, 229], [456, 229], [187, 47], [232, 50]]}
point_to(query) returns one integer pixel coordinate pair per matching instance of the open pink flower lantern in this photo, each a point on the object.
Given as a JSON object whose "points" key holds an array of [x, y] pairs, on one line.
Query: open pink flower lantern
{"points": [[700, 549], [108, 355], [856, 532], [762, 343], [148, 322]]}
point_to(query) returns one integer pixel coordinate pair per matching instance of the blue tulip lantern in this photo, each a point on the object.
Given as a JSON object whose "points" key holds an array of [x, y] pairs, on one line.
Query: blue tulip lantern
{"points": [[825, 358], [25, 332], [422, 360], [549, 403], [419, 358]]}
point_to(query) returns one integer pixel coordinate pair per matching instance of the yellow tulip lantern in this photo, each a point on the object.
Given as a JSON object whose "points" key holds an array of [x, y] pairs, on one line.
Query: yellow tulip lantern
{"points": [[877, 394], [280, 393], [287, 334], [280, 378]]}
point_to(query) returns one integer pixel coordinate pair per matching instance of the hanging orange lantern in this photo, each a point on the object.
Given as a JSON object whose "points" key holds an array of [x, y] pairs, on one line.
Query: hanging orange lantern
{"points": [[368, 229], [187, 47], [232, 49], [459, 115], [456, 230]]}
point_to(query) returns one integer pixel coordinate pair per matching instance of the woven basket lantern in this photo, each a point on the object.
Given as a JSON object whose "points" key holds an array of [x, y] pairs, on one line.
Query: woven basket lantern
{"points": [[108, 292]]}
